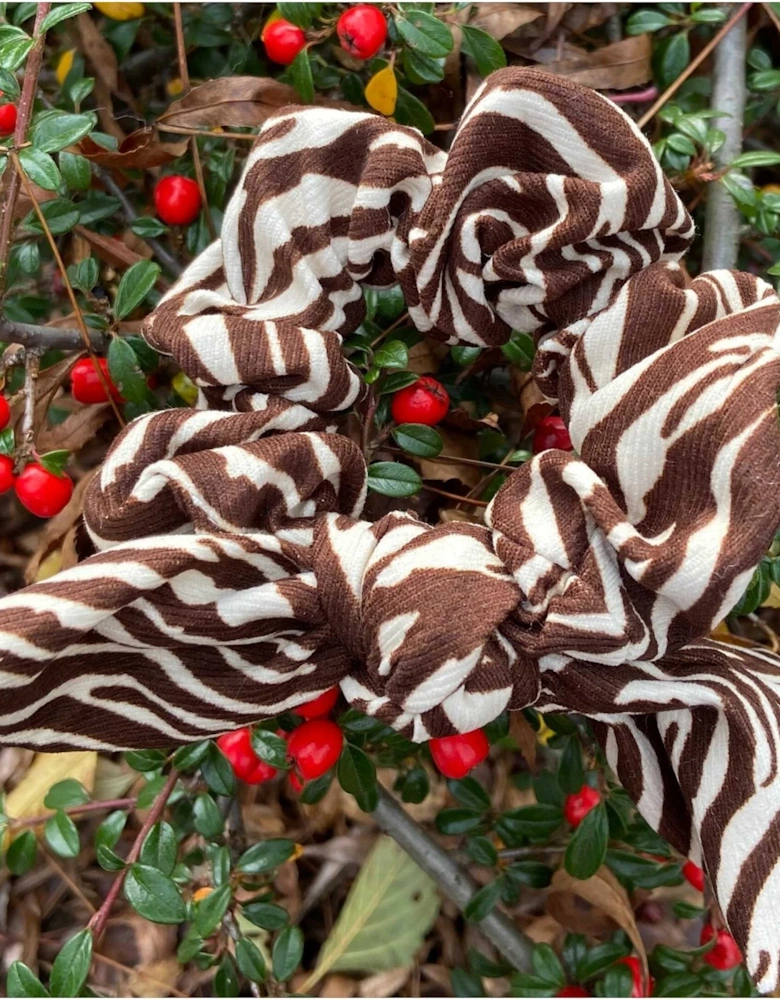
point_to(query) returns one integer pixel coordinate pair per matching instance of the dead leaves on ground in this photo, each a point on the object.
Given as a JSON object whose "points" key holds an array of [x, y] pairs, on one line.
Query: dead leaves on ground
{"points": [[139, 151]]}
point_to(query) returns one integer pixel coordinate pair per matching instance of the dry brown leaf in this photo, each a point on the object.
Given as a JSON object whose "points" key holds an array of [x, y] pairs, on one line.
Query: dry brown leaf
{"points": [[615, 67], [115, 252], [338, 985], [232, 100], [97, 51], [581, 17], [543, 930], [46, 770], [605, 895], [75, 430], [501, 19], [460, 446], [156, 979], [54, 532], [138, 151], [524, 734], [384, 984]]}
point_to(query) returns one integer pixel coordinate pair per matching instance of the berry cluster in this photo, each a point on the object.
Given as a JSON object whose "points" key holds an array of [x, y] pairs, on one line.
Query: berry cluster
{"points": [[361, 31], [41, 486]]}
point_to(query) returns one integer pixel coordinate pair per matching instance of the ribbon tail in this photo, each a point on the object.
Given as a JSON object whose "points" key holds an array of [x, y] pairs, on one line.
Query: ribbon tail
{"points": [[707, 778]]}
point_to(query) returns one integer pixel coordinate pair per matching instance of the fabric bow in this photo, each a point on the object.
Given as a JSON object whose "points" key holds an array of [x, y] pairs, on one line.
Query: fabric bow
{"points": [[235, 578]]}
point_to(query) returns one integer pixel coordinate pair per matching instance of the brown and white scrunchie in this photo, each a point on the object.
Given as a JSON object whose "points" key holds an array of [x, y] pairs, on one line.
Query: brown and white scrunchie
{"points": [[235, 577]]}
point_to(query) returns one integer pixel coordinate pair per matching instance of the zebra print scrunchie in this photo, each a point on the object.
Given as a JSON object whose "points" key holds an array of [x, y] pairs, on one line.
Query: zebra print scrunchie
{"points": [[235, 578]]}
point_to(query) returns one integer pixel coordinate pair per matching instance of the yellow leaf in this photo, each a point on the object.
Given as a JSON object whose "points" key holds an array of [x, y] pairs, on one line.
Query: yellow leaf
{"points": [[46, 770], [64, 65], [773, 601], [382, 91], [121, 11], [50, 566], [187, 389], [174, 87], [544, 733]]}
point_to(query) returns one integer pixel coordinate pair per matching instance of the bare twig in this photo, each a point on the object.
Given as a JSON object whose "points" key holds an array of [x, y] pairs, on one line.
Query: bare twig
{"points": [[98, 920], [32, 363], [167, 261], [184, 73], [49, 337], [450, 878], [26, 101], [722, 220], [87, 807], [694, 64]]}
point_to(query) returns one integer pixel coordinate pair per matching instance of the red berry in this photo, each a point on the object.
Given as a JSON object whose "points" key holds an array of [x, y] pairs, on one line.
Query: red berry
{"points": [[315, 747], [551, 433], [633, 963], [455, 756], [573, 991], [85, 383], [283, 41], [237, 747], [726, 953], [41, 492], [578, 805], [318, 706], [694, 875], [423, 402], [6, 473], [7, 119], [177, 200], [5, 412], [362, 30]]}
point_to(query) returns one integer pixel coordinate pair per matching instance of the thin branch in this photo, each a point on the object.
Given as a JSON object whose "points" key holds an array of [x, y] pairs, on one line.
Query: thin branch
{"points": [[184, 73], [694, 64], [26, 101], [49, 337], [456, 884], [98, 920], [168, 262], [87, 807], [722, 220], [32, 364]]}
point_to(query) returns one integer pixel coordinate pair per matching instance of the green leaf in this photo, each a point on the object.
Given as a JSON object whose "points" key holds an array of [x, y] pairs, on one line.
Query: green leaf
{"points": [[127, 376], [465, 983], [416, 785], [394, 479], [110, 830], [671, 57], [60, 13], [55, 461], [21, 982], [424, 32], [226, 980], [646, 21], [756, 158], [530, 873], [250, 961], [287, 952], [136, 283], [217, 772], [588, 846], [483, 49], [154, 895], [206, 817], [265, 856], [40, 168], [9, 85], [61, 216], [394, 354], [483, 901], [300, 76], [482, 850], [28, 257], [208, 912], [160, 848], [455, 821], [679, 984], [61, 835], [187, 758], [571, 773], [21, 854], [54, 130], [14, 52], [300, 14], [418, 439], [219, 858], [708, 15], [536, 822], [357, 775], [469, 793], [71, 967], [7, 442], [681, 144], [66, 793], [519, 350], [108, 859], [411, 111], [143, 760], [390, 908], [147, 226], [547, 965], [270, 748], [84, 275], [269, 916], [768, 79], [599, 958], [421, 69]]}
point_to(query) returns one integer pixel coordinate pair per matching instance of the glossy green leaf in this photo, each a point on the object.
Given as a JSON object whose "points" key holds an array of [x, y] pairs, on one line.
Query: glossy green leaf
{"points": [[250, 960], [418, 439], [71, 966], [61, 835], [61, 12], [66, 793], [136, 283], [208, 912], [394, 479], [21, 982], [160, 848], [588, 846], [40, 168], [483, 49], [22, 852], [424, 32], [154, 895], [52, 131], [265, 856], [300, 76], [357, 775], [287, 952]]}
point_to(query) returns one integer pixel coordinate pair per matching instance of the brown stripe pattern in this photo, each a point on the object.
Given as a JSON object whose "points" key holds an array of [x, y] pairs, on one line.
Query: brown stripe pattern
{"points": [[235, 578]]}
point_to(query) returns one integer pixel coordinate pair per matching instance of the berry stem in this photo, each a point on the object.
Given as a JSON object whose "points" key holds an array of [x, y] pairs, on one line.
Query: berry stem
{"points": [[98, 920]]}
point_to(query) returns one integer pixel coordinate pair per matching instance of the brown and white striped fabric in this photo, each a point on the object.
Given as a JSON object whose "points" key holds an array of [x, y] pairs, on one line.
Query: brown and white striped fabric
{"points": [[235, 578]]}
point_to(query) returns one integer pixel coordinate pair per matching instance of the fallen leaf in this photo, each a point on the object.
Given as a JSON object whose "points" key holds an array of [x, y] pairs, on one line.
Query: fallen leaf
{"points": [[501, 19], [390, 908], [97, 51], [382, 91], [232, 100], [525, 736], [54, 532], [384, 984], [156, 979], [543, 930], [773, 601], [338, 986], [137, 151], [457, 445], [615, 67], [75, 430], [605, 895], [46, 770], [115, 252], [581, 17]]}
